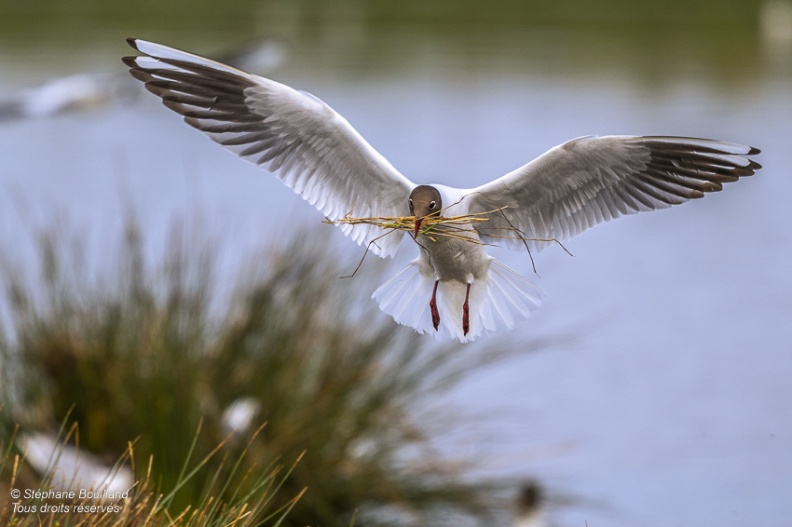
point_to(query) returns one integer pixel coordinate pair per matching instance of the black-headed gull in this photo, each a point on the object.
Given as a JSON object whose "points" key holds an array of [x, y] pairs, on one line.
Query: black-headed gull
{"points": [[454, 288]]}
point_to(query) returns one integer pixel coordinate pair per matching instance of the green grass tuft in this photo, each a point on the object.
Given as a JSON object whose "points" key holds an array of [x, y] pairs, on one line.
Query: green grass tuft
{"points": [[153, 354]]}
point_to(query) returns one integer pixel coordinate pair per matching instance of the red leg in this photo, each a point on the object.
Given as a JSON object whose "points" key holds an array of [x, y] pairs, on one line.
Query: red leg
{"points": [[433, 306], [466, 312]]}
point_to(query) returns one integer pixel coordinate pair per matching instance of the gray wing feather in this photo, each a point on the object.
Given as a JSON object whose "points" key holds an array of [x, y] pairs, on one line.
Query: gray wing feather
{"points": [[591, 180], [309, 146]]}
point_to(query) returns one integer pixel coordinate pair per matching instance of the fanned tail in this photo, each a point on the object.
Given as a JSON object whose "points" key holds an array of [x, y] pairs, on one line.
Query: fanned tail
{"points": [[511, 298], [497, 302], [406, 296]]}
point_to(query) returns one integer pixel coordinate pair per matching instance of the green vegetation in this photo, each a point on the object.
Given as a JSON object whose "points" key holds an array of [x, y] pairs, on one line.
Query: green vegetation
{"points": [[200, 14], [144, 359], [144, 504], [654, 42]]}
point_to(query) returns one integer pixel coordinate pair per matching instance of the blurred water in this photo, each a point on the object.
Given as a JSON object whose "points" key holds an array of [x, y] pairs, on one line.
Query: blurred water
{"points": [[670, 406]]}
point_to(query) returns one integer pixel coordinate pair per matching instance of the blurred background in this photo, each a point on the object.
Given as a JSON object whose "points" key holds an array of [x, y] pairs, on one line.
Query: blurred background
{"points": [[659, 394]]}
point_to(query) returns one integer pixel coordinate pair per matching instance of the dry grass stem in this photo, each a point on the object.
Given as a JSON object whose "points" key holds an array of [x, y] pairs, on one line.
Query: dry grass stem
{"points": [[436, 225], [452, 226]]}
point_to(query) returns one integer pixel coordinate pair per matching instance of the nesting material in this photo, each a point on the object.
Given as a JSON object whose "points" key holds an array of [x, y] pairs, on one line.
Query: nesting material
{"points": [[453, 226]]}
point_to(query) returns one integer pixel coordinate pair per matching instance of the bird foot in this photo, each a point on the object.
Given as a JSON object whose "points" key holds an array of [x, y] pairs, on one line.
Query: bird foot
{"points": [[433, 307], [466, 313]]}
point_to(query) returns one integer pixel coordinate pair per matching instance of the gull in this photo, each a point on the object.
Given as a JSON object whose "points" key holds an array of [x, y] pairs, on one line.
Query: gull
{"points": [[91, 91], [453, 289], [530, 507], [69, 469], [82, 91]]}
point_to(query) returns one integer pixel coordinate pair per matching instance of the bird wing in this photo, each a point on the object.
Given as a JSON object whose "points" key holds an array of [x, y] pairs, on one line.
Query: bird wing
{"points": [[309, 146], [590, 180]]}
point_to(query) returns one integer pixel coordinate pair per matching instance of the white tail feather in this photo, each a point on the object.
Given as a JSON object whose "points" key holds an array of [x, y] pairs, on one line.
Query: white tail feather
{"points": [[496, 303], [405, 297]]}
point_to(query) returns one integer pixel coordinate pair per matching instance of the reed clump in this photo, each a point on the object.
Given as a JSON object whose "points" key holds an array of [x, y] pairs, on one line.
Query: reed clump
{"points": [[144, 351]]}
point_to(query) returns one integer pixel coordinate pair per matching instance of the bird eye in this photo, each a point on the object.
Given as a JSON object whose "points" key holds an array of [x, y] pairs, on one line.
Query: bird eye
{"points": [[411, 205], [432, 204]]}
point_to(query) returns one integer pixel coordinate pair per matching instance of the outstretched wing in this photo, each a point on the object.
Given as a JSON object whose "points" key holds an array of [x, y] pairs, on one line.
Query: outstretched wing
{"points": [[309, 146], [590, 180]]}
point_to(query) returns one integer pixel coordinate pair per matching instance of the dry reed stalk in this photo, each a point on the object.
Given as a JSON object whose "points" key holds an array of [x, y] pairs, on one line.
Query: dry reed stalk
{"points": [[453, 226], [458, 227]]}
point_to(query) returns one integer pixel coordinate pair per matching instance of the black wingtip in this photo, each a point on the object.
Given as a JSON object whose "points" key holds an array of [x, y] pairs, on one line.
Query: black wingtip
{"points": [[130, 62], [753, 151], [133, 43]]}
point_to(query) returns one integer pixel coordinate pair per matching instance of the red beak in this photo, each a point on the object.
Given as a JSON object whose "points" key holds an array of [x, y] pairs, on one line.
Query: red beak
{"points": [[417, 226]]}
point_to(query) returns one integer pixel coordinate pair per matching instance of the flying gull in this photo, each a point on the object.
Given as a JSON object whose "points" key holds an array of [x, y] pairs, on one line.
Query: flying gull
{"points": [[454, 288]]}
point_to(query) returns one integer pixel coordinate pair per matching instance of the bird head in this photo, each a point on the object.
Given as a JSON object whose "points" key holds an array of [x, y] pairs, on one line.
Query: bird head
{"points": [[424, 201]]}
